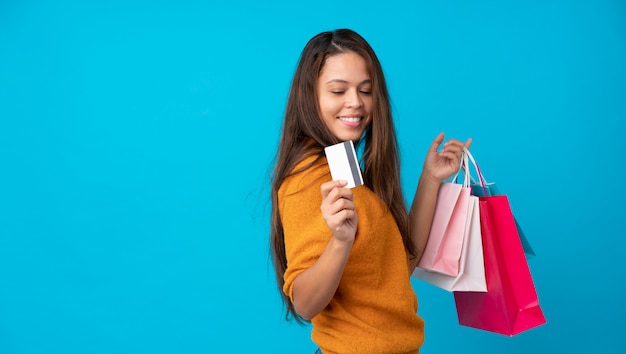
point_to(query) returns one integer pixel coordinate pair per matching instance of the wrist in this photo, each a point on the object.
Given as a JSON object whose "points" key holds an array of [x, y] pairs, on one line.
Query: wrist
{"points": [[341, 243], [429, 181]]}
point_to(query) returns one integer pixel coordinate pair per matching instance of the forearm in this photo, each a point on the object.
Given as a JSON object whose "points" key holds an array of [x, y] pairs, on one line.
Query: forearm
{"points": [[314, 288], [421, 215]]}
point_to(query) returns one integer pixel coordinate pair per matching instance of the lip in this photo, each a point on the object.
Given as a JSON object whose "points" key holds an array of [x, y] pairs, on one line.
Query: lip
{"points": [[351, 120]]}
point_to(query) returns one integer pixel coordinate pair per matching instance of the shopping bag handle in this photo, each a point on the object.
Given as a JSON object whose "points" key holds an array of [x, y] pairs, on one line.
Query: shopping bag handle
{"points": [[466, 172], [467, 155]]}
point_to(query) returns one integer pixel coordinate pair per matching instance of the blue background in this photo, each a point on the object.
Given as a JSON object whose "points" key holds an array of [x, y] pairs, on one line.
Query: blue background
{"points": [[136, 141]]}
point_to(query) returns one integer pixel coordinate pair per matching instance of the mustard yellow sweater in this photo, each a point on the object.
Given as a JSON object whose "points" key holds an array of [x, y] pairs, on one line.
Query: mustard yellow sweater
{"points": [[375, 308]]}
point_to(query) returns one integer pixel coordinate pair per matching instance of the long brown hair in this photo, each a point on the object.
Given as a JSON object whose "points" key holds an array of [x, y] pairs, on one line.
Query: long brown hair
{"points": [[304, 134]]}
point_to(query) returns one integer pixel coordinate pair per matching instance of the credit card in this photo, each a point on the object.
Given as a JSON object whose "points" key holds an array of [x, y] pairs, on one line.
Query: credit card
{"points": [[344, 164]]}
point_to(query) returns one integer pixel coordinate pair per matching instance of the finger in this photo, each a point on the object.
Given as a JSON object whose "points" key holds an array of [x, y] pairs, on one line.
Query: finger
{"points": [[453, 143], [452, 156], [452, 149], [337, 199], [456, 144], [452, 152], [347, 215], [338, 193], [327, 187], [342, 218], [330, 209], [345, 193], [437, 142], [340, 205]]}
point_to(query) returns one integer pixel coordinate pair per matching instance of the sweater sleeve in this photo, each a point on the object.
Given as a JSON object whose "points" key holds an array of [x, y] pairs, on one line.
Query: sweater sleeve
{"points": [[305, 232]]}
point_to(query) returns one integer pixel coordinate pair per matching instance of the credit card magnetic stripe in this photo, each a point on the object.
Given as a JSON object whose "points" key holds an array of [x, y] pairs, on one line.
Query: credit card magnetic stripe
{"points": [[354, 166]]}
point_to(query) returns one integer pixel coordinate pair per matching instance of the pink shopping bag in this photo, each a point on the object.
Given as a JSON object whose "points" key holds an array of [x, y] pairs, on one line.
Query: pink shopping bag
{"points": [[443, 250], [510, 305], [471, 275]]}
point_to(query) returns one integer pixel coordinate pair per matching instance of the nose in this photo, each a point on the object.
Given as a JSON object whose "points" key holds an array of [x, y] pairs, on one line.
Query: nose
{"points": [[353, 99]]}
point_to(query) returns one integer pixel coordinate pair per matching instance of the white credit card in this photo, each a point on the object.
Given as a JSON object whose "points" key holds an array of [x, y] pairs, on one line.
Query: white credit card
{"points": [[344, 164]]}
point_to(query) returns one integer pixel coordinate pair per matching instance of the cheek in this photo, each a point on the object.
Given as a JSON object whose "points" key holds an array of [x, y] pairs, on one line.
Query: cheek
{"points": [[369, 106], [329, 106]]}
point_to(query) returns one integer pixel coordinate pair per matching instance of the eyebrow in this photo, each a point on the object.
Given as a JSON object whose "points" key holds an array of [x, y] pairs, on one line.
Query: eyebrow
{"points": [[368, 81]]}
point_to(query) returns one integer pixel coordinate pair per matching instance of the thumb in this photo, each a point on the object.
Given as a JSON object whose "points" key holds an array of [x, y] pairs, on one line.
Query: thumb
{"points": [[437, 142]]}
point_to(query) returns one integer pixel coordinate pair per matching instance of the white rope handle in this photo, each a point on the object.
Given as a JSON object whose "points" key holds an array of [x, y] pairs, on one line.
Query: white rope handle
{"points": [[468, 156], [466, 174]]}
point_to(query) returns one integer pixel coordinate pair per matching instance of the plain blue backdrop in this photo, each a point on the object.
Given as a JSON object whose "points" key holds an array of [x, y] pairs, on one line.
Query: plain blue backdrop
{"points": [[136, 142]]}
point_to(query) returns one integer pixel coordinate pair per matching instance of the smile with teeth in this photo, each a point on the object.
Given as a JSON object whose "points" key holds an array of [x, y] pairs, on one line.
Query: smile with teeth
{"points": [[350, 119]]}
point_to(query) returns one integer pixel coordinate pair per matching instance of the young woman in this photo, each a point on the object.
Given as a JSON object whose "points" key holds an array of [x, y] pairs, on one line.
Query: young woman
{"points": [[343, 257]]}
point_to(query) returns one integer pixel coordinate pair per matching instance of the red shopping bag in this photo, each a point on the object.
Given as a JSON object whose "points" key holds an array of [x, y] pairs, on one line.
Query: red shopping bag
{"points": [[510, 305]]}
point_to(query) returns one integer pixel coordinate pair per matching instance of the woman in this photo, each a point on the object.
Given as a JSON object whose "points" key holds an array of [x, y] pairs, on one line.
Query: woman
{"points": [[343, 257]]}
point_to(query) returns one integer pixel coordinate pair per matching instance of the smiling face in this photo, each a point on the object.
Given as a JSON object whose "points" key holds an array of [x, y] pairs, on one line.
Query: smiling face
{"points": [[345, 95]]}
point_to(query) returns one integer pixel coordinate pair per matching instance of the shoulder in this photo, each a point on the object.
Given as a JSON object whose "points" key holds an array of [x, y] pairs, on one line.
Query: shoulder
{"points": [[307, 176]]}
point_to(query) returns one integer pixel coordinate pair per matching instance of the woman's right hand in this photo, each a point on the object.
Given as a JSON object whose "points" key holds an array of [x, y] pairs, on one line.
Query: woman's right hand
{"points": [[338, 210], [314, 288]]}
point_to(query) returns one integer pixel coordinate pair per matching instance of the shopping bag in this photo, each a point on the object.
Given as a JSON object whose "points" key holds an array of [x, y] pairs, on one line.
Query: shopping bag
{"points": [[471, 275], [445, 241], [482, 188], [510, 305], [490, 189]]}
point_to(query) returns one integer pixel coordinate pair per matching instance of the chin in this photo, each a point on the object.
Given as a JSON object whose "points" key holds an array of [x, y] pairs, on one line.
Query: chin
{"points": [[349, 136]]}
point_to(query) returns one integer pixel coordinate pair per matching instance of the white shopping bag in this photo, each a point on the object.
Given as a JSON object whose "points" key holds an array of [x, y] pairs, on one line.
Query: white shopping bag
{"points": [[471, 276]]}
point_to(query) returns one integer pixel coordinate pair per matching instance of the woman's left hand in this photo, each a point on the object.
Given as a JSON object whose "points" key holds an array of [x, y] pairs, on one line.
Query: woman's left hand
{"points": [[440, 165]]}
